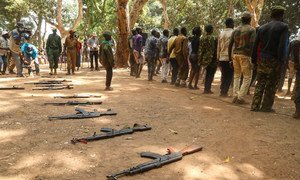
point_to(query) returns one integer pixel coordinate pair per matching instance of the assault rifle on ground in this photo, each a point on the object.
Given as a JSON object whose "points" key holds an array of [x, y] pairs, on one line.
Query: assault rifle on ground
{"points": [[54, 88], [52, 85], [110, 133], [82, 114], [77, 96], [74, 103], [12, 88], [50, 82], [158, 161]]}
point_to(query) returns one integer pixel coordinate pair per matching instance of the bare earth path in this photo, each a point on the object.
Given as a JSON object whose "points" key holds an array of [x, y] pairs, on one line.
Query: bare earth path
{"points": [[238, 144]]}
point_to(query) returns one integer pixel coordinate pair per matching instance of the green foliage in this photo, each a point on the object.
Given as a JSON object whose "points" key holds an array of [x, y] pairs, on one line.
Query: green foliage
{"points": [[99, 16], [292, 14]]}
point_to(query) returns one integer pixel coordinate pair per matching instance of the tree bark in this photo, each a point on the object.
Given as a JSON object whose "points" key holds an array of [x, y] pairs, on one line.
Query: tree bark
{"points": [[59, 24], [122, 52], [255, 8], [136, 11], [166, 17], [44, 35], [231, 9]]}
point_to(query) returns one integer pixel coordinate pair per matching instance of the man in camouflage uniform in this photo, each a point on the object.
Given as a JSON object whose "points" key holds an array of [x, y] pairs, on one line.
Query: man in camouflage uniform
{"points": [[151, 49], [242, 39], [295, 50], [71, 44], [272, 40], [181, 50], [53, 50], [107, 59], [208, 57]]}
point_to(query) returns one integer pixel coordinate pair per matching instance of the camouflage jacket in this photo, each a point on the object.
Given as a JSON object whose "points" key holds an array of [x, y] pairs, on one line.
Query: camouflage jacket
{"points": [[207, 53]]}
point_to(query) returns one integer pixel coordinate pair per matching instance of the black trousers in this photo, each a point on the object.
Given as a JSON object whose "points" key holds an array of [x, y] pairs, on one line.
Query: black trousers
{"points": [[109, 74], [94, 57], [226, 77], [175, 67], [209, 77]]}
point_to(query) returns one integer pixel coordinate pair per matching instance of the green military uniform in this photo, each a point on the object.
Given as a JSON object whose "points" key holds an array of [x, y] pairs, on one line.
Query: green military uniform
{"points": [[53, 49], [207, 55], [107, 59], [207, 51], [269, 54]]}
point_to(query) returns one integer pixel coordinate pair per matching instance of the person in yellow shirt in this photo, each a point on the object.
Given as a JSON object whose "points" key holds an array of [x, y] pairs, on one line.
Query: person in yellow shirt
{"points": [[173, 61]]}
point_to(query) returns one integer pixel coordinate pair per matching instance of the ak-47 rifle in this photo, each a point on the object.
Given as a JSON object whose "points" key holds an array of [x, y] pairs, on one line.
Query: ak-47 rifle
{"points": [[82, 114], [77, 96], [12, 88], [54, 88], [74, 103], [110, 133], [158, 161], [50, 82], [52, 85]]}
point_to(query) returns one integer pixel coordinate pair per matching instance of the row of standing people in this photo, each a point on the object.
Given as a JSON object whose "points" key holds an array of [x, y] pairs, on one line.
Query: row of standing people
{"points": [[238, 52]]}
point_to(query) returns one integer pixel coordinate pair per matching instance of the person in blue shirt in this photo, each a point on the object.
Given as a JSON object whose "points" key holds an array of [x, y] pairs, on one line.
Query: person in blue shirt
{"points": [[30, 53]]}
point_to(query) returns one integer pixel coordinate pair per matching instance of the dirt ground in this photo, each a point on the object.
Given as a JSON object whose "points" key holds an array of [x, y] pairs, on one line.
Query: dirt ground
{"points": [[237, 143]]}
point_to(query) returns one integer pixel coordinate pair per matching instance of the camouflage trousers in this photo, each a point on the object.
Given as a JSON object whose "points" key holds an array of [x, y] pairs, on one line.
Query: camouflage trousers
{"points": [[268, 75], [297, 90]]}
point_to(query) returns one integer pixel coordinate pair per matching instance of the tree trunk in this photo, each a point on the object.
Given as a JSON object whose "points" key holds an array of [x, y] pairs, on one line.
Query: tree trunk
{"points": [[44, 35], [255, 8], [231, 9], [122, 52], [166, 17], [39, 33], [136, 11], [59, 25]]}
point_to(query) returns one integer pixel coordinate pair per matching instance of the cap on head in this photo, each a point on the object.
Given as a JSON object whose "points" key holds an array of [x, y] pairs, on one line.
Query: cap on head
{"points": [[106, 33], [4, 32], [278, 9], [277, 12]]}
